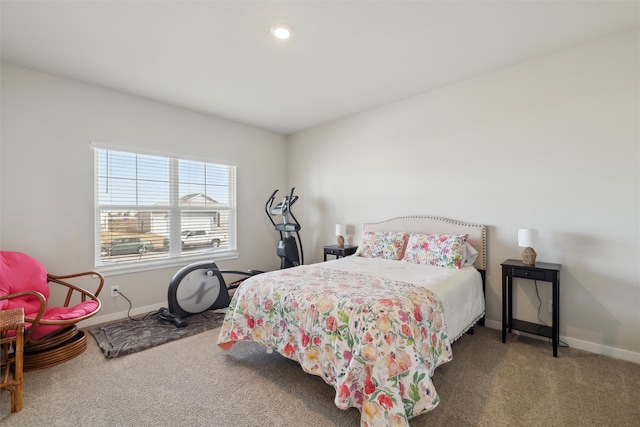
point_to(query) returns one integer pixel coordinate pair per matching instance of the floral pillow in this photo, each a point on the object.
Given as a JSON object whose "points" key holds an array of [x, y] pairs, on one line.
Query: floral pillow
{"points": [[379, 244], [441, 250]]}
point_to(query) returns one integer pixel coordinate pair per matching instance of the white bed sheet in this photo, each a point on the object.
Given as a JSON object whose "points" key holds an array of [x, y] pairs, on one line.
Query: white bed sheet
{"points": [[460, 290]]}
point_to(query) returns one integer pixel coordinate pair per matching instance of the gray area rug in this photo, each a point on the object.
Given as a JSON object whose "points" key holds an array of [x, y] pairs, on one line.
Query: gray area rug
{"points": [[137, 334]]}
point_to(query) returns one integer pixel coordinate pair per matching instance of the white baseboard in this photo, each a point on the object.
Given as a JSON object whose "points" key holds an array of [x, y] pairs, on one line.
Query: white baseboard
{"points": [[96, 320], [572, 342], [591, 347]]}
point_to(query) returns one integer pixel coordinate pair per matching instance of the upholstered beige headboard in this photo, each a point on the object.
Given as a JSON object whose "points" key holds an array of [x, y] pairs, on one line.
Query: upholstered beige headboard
{"points": [[436, 225]]}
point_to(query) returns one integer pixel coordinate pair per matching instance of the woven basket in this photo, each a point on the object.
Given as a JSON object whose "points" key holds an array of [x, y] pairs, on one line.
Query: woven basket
{"points": [[9, 319]]}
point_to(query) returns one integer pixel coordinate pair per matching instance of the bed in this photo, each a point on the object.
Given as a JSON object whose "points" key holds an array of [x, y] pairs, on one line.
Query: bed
{"points": [[374, 325]]}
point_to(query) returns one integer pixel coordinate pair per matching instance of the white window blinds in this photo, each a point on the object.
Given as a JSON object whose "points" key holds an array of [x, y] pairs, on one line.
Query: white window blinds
{"points": [[151, 207]]}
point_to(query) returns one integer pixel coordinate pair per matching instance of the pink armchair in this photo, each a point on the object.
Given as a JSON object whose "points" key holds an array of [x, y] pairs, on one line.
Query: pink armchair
{"points": [[51, 333]]}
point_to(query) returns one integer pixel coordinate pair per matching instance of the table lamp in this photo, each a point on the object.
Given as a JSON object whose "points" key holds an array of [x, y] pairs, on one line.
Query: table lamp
{"points": [[525, 240], [340, 231]]}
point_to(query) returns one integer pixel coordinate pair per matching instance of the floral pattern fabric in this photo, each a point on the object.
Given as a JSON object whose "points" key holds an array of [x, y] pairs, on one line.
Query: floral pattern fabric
{"points": [[375, 340], [379, 244], [440, 250]]}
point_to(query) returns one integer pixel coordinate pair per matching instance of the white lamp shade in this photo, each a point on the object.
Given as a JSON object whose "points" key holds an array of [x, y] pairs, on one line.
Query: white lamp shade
{"points": [[341, 230], [525, 237]]}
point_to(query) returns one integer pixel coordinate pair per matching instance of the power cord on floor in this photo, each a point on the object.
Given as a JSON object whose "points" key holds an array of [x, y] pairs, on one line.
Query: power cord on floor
{"points": [[560, 342], [152, 313], [539, 304]]}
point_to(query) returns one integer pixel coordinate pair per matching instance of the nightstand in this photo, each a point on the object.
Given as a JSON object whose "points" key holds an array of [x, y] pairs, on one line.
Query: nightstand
{"points": [[541, 271], [339, 251]]}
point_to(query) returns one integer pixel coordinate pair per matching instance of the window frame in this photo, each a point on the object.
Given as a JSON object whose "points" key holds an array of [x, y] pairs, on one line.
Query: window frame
{"points": [[175, 255]]}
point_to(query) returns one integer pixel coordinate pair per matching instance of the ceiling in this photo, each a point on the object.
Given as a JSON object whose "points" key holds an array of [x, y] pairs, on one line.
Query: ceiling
{"points": [[219, 58]]}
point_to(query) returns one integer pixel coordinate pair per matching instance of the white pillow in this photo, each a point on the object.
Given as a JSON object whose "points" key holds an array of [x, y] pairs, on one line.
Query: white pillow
{"points": [[470, 255]]}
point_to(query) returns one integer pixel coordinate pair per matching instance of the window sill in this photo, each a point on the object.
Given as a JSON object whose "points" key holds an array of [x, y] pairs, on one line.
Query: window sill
{"points": [[114, 270]]}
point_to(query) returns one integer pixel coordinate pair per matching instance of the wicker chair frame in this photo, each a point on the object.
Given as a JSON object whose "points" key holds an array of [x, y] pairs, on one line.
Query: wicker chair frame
{"points": [[66, 342]]}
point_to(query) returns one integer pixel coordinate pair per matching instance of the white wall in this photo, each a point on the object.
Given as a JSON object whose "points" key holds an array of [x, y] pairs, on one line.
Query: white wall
{"points": [[551, 144], [46, 173]]}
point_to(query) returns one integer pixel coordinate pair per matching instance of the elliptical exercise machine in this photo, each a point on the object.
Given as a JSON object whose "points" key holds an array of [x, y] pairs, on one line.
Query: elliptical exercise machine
{"points": [[201, 286], [289, 248]]}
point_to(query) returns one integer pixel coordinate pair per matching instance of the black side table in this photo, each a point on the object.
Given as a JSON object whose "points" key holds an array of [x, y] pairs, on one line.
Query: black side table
{"points": [[542, 271], [339, 251]]}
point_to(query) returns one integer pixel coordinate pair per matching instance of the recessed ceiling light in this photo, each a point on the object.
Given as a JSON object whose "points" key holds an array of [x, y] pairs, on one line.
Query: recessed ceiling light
{"points": [[281, 31]]}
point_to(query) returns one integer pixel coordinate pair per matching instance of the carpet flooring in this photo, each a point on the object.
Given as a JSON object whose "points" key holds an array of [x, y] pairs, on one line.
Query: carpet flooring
{"points": [[192, 382], [140, 333]]}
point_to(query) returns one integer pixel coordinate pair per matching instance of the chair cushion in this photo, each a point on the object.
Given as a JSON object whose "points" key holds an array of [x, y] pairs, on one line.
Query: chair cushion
{"points": [[20, 272], [61, 313]]}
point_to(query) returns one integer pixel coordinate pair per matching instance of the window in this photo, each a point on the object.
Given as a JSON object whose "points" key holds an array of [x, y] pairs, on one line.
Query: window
{"points": [[153, 208]]}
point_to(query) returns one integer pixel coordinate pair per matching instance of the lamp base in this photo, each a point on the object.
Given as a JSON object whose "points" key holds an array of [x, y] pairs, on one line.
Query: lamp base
{"points": [[340, 242], [529, 256]]}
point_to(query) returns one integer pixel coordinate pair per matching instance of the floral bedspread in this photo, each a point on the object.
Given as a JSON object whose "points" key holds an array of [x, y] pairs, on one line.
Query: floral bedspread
{"points": [[375, 340]]}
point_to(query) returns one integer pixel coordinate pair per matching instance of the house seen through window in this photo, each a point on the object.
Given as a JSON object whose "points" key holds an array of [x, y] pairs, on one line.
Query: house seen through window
{"points": [[150, 207]]}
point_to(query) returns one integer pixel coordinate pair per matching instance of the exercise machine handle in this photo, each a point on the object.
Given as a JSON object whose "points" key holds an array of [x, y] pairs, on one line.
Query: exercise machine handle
{"points": [[267, 206]]}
